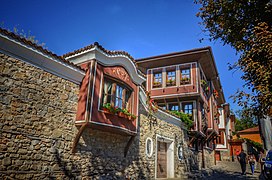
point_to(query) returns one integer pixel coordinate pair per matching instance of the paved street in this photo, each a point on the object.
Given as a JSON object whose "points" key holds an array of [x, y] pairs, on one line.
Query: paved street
{"points": [[227, 170]]}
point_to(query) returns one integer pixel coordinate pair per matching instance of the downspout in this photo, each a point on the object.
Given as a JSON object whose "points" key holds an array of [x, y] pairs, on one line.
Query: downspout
{"points": [[88, 105]]}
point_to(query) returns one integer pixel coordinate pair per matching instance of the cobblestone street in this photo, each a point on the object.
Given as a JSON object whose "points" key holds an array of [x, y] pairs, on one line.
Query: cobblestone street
{"points": [[227, 170]]}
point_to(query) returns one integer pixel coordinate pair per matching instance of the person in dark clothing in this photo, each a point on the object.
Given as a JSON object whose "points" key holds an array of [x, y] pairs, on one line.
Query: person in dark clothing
{"points": [[242, 157]]}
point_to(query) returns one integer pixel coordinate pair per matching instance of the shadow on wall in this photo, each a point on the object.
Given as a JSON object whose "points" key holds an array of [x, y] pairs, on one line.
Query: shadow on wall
{"points": [[101, 155]]}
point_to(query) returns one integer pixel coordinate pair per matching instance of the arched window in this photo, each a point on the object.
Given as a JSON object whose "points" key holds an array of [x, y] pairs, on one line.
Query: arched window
{"points": [[149, 147], [180, 152]]}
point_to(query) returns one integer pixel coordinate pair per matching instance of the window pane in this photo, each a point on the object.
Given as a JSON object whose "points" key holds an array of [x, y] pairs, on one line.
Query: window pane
{"points": [[158, 77], [119, 94], [107, 92], [188, 108], [116, 94], [185, 73], [173, 107], [171, 75]]}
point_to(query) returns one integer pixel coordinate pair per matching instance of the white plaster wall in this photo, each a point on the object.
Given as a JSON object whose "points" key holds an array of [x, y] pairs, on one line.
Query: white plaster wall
{"points": [[221, 118]]}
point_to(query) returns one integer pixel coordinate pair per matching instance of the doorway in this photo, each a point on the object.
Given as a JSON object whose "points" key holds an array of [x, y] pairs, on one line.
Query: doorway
{"points": [[164, 157]]}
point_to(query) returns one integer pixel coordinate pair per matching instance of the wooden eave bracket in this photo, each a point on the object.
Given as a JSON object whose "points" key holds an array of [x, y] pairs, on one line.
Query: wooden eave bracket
{"points": [[78, 135], [128, 145]]}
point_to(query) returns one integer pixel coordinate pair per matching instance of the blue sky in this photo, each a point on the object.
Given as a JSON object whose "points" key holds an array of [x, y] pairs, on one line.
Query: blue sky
{"points": [[142, 28]]}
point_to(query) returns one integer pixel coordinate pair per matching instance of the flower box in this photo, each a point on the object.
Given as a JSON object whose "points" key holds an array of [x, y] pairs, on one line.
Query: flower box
{"points": [[170, 83], [107, 111], [157, 84]]}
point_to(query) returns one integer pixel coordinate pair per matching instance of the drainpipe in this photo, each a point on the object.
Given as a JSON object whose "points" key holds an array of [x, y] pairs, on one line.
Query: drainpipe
{"points": [[88, 106]]}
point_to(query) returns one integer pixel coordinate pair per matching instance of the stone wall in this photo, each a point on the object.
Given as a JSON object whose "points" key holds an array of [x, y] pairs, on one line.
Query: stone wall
{"points": [[167, 130], [37, 131], [225, 155], [209, 157]]}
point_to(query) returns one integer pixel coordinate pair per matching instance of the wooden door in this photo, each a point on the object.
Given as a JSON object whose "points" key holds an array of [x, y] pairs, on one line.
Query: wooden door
{"points": [[162, 160], [217, 156]]}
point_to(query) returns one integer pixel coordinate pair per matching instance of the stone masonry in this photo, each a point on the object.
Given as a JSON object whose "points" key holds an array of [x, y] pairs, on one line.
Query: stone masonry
{"points": [[37, 129]]}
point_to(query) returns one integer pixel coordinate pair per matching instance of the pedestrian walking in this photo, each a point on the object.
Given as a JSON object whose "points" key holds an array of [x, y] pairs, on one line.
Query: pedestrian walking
{"points": [[242, 158], [252, 162]]}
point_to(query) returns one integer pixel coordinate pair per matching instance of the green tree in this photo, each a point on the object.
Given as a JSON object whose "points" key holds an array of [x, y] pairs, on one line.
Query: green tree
{"points": [[245, 119], [246, 26]]}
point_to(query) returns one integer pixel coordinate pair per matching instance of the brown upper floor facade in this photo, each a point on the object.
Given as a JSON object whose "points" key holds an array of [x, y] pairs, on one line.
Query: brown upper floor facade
{"points": [[187, 81]]}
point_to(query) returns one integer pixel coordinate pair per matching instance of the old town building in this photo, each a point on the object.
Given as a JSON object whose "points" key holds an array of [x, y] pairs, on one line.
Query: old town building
{"points": [[226, 129], [188, 81], [88, 113]]}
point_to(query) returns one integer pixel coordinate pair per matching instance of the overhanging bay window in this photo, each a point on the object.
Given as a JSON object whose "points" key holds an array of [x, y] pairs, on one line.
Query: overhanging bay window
{"points": [[117, 94]]}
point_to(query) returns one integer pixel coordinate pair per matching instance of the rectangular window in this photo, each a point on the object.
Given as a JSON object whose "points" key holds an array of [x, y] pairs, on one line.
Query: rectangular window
{"points": [[187, 108], [171, 78], [117, 94], [157, 80], [173, 107], [185, 76]]}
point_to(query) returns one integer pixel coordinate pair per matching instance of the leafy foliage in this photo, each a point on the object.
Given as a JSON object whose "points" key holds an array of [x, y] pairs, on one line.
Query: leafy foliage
{"points": [[257, 145], [186, 118], [246, 26], [245, 120]]}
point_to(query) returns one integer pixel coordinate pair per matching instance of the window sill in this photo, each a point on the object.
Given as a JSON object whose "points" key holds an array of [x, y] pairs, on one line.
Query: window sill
{"points": [[119, 115], [184, 82]]}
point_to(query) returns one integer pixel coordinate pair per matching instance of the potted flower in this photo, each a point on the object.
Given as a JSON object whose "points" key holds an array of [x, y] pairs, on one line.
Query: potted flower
{"points": [[156, 84], [126, 112], [215, 93], [123, 112], [170, 82], [132, 117], [203, 82], [185, 80], [108, 108]]}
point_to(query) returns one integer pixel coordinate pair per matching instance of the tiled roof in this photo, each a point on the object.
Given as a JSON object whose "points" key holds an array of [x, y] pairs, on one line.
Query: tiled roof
{"points": [[250, 130], [37, 47], [96, 44], [101, 48], [173, 53]]}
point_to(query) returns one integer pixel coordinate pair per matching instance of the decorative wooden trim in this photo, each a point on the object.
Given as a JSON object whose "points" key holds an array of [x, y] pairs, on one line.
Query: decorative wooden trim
{"points": [[121, 73], [78, 135], [88, 107]]}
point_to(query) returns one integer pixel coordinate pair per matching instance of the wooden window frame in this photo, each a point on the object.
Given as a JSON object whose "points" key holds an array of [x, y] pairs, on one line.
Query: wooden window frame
{"points": [[176, 104], [187, 103], [159, 85], [128, 104], [185, 80], [172, 82]]}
